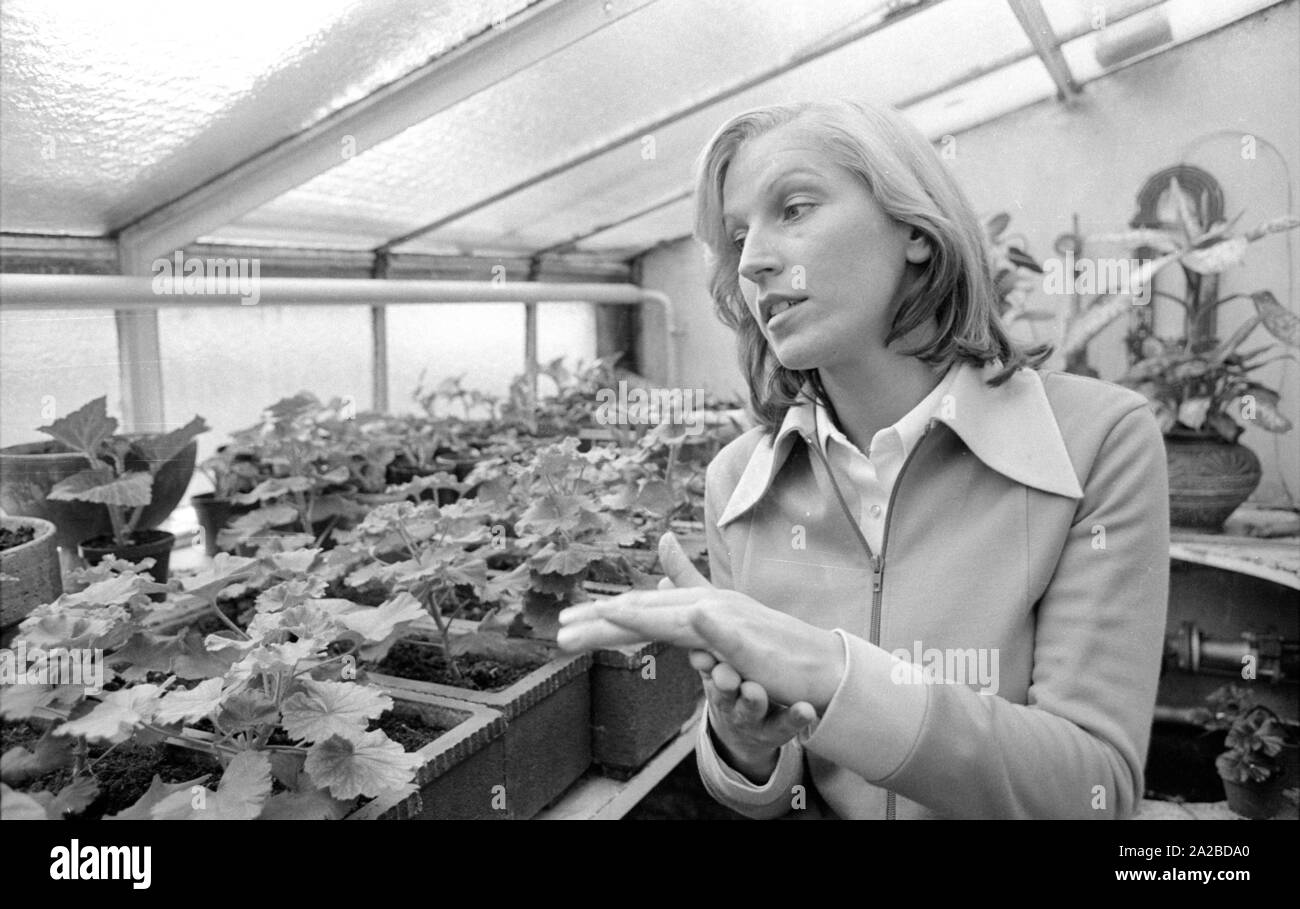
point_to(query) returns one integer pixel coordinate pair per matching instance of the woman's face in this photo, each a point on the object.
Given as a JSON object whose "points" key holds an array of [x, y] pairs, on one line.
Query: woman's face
{"points": [[808, 231]]}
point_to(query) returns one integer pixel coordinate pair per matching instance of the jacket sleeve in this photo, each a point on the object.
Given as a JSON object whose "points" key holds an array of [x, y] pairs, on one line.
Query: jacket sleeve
{"points": [[1077, 747], [727, 785]]}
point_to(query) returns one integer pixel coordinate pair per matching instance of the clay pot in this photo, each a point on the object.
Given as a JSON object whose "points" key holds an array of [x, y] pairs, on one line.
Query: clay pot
{"points": [[1209, 479], [28, 472], [35, 568]]}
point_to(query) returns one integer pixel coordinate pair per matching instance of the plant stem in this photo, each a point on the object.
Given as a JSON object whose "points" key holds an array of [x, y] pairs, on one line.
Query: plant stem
{"points": [[224, 618], [444, 629]]}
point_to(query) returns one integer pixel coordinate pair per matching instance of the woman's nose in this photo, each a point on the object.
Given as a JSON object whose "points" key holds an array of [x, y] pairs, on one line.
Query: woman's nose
{"points": [[758, 259]]}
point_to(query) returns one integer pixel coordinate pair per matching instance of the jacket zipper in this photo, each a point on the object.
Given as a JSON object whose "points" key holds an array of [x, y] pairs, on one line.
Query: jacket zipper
{"points": [[877, 561]]}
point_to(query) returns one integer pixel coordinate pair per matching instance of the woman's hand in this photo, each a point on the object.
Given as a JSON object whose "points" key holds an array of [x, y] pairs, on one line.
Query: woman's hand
{"points": [[748, 732], [790, 659]]}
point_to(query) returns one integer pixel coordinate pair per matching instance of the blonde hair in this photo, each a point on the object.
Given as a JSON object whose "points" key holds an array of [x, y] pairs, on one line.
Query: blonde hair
{"points": [[910, 183]]}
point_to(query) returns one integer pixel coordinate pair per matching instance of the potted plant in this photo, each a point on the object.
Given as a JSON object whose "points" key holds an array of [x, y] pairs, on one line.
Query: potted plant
{"points": [[29, 570], [1200, 388], [233, 471], [276, 706], [120, 477], [29, 471], [1260, 760], [435, 556], [303, 446]]}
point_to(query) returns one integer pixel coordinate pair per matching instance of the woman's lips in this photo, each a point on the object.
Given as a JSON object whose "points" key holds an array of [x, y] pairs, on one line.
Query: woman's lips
{"points": [[782, 307]]}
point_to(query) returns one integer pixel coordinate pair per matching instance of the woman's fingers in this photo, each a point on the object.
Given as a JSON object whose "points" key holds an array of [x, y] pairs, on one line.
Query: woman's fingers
{"points": [[751, 706], [677, 564], [702, 661], [672, 624], [791, 721], [597, 634], [726, 679]]}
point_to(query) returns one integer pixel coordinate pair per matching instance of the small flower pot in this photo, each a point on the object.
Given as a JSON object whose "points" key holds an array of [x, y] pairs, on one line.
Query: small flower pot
{"points": [[29, 574], [155, 544], [1256, 801], [214, 514], [548, 725]]}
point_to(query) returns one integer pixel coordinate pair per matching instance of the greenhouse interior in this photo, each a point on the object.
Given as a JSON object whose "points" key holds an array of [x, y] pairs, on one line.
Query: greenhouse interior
{"points": [[650, 409]]}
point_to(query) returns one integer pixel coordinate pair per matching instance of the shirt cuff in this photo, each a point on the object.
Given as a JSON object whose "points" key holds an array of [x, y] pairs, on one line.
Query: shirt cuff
{"points": [[729, 786], [875, 716]]}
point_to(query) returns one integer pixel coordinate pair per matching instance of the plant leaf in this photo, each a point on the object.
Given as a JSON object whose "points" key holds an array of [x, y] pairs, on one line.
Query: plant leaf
{"points": [[1091, 322], [323, 709], [198, 702], [1274, 226], [1262, 409], [311, 805], [52, 752], [1218, 258], [75, 797], [1193, 411], [159, 449], [19, 806], [116, 716], [157, 791], [1280, 321], [1153, 238], [248, 710], [368, 765], [1185, 206], [380, 622], [550, 514], [99, 485], [84, 429], [244, 788]]}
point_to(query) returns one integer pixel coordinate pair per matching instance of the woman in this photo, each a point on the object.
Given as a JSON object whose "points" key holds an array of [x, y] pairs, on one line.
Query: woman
{"points": [[939, 576]]}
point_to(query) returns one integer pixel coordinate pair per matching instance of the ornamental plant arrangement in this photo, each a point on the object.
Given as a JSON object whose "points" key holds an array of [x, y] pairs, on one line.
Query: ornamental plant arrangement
{"points": [[120, 475], [288, 729], [1253, 768], [1201, 389], [304, 443]]}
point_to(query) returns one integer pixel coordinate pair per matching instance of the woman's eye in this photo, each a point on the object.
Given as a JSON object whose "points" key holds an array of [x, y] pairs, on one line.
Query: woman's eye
{"points": [[738, 241], [795, 210]]}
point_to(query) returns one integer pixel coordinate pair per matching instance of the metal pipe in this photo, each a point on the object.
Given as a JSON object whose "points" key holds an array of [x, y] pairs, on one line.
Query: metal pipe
{"points": [[139, 293]]}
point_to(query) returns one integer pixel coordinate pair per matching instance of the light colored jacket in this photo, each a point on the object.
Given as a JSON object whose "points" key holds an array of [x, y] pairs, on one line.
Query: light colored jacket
{"points": [[1027, 533]]}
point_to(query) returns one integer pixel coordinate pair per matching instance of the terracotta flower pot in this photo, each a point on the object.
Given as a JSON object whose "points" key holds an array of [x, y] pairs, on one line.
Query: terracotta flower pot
{"points": [[1208, 479], [28, 472], [34, 569]]}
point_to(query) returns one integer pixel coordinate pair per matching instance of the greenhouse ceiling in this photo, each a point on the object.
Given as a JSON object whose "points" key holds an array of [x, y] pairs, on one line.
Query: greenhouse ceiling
{"points": [[479, 128]]}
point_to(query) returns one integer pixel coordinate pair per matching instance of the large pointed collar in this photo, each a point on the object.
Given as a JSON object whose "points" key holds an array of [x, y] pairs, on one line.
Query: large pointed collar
{"points": [[1011, 428]]}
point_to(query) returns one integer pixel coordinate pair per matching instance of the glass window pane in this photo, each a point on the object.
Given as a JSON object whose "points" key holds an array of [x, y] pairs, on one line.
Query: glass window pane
{"points": [[51, 363], [228, 363]]}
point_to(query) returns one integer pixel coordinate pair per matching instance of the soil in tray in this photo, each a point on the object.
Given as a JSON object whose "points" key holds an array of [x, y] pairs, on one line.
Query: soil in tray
{"points": [[408, 728], [123, 773], [424, 662], [16, 537]]}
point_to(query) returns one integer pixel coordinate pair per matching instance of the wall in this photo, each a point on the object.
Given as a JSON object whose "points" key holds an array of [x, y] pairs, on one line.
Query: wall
{"points": [[1048, 161]]}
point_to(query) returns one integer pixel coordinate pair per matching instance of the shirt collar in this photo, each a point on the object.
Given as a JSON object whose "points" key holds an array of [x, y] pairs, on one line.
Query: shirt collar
{"points": [[908, 429], [1011, 428]]}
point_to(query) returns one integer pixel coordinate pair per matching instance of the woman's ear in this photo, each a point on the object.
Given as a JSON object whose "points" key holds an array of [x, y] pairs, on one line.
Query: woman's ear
{"points": [[918, 247]]}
